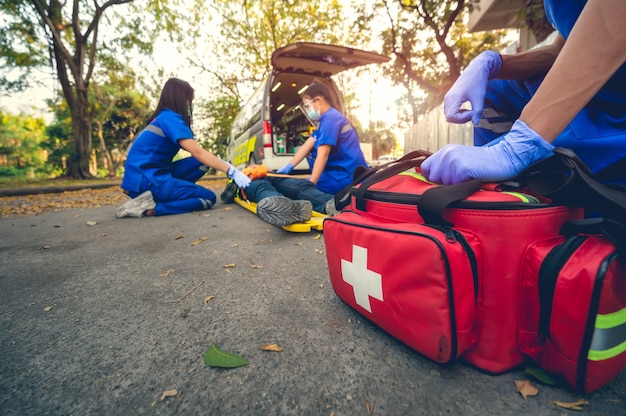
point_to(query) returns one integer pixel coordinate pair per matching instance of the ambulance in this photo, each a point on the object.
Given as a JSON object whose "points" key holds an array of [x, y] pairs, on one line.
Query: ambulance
{"points": [[271, 126]]}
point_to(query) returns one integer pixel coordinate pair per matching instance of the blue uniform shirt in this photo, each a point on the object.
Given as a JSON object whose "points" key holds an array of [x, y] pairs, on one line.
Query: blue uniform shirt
{"points": [[598, 133], [345, 156], [151, 155]]}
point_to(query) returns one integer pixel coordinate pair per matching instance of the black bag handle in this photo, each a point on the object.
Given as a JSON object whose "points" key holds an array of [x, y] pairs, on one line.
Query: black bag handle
{"points": [[388, 170], [411, 159]]}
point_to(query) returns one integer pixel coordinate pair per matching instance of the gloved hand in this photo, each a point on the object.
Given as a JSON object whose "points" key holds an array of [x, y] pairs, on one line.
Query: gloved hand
{"points": [[287, 169], [471, 86], [238, 176], [499, 160]]}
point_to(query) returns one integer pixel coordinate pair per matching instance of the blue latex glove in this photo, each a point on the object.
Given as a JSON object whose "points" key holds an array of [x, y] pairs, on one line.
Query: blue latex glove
{"points": [[287, 169], [471, 86], [238, 176], [497, 161]]}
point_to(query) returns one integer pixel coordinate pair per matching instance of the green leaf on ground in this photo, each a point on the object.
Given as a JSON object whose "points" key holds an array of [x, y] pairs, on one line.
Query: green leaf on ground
{"points": [[215, 357], [541, 375]]}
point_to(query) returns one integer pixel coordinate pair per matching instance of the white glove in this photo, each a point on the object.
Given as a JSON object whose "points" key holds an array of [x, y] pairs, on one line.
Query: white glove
{"points": [[238, 176]]}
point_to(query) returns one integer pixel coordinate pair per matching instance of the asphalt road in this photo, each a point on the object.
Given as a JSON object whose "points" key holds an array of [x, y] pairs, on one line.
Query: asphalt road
{"points": [[107, 316]]}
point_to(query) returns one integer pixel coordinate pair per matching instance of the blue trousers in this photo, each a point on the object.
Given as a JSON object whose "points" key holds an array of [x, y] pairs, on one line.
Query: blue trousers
{"points": [[179, 194], [292, 188], [597, 134]]}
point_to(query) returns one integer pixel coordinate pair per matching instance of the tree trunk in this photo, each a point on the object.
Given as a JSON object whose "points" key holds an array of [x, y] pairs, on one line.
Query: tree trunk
{"points": [[107, 155], [78, 162]]}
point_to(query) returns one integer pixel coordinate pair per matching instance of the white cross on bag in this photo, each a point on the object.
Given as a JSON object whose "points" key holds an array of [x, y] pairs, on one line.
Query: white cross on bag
{"points": [[364, 282]]}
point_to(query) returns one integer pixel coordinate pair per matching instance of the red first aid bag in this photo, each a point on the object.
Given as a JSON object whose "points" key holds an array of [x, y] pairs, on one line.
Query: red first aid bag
{"points": [[393, 218], [429, 305]]}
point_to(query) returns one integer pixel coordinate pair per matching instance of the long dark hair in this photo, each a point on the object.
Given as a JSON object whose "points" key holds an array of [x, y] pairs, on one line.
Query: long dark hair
{"points": [[176, 96], [317, 89]]}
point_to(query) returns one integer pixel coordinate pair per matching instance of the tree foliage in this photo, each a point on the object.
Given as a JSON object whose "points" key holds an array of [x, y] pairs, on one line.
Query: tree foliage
{"points": [[247, 32], [431, 46], [70, 37], [20, 139], [217, 116]]}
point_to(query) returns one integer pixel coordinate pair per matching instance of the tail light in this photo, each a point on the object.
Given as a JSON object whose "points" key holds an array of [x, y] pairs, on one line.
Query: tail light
{"points": [[267, 134]]}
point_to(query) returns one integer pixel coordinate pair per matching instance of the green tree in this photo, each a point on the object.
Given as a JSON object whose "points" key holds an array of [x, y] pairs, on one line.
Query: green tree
{"points": [[217, 116], [20, 139], [118, 112], [68, 36], [249, 31], [382, 139], [431, 46]]}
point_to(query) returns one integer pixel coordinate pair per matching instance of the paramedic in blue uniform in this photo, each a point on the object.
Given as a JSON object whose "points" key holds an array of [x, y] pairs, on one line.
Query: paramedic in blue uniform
{"points": [[333, 151], [157, 184], [569, 94]]}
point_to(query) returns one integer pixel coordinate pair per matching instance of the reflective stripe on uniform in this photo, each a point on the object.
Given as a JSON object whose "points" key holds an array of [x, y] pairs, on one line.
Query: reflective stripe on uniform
{"points": [[154, 129], [346, 128], [609, 336]]}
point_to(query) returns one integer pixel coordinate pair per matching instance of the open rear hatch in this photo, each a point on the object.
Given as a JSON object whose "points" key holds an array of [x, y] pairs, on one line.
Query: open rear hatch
{"points": [[321, 60]]}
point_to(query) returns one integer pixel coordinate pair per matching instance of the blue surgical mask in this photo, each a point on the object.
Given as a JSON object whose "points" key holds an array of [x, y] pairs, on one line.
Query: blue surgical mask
{"points": [[313, 113]]}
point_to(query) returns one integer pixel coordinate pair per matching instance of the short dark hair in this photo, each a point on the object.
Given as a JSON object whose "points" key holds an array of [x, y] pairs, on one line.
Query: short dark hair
{"points": [[317, 89], [176, 96]]}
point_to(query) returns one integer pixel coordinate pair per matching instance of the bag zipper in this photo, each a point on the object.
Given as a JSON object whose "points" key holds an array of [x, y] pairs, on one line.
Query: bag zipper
{"points": [[548, 276], [413, 200], [453, 236]]}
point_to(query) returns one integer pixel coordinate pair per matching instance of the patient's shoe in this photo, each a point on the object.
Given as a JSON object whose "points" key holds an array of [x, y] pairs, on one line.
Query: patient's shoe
{"points": [[136, 207], [230, 192], [281, 211], [330, 208]]}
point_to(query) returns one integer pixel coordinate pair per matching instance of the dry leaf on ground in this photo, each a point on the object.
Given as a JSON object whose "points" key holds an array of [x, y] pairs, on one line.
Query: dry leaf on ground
{"points": [[208, 298], [169, 393], [255, 266], [229, 265], [47, 308], [272, 347], [167, 273], [577, 405], [199, 240], [526, 388], [317, 237]]}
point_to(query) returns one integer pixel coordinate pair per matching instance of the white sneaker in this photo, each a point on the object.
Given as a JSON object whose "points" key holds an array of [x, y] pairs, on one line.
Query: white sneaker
{"points": [[136, 207]]}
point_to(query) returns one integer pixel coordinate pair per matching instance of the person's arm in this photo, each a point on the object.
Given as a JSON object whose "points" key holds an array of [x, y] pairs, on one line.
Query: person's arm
{"points": [[303, 151], [207, 158], [591, 55], [531, 63], [320, 162]]}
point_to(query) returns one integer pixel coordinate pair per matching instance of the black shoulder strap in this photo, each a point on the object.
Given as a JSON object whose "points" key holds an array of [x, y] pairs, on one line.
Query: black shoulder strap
{"points": [[565, 179]]}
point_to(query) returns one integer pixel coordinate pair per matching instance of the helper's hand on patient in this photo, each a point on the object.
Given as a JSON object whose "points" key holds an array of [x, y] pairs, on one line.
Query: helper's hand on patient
{"points": [[238, 176], [287, 169], [499, 160]]}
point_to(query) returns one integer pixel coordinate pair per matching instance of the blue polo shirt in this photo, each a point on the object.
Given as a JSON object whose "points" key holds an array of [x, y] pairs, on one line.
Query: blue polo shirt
{"points": [[151, 154], [345, 155]]}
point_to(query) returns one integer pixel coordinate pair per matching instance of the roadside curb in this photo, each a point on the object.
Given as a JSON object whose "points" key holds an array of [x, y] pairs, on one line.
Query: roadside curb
{"points": [[58, 189]]}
